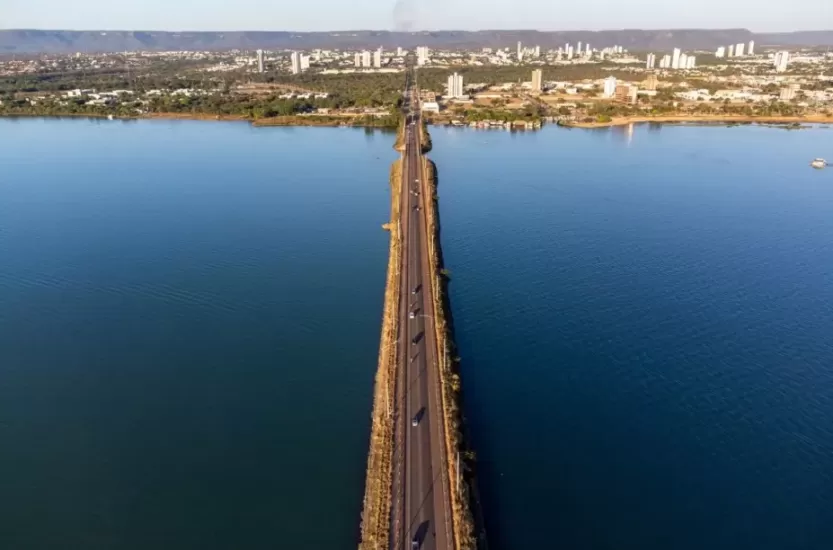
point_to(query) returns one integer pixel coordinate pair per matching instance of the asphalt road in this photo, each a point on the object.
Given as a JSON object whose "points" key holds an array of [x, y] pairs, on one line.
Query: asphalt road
{"points": [[421, 507]]}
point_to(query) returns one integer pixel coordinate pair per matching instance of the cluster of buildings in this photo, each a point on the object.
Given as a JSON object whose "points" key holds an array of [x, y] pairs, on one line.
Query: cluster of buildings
{"points": [[676, 60], [736, 50], [369, 60]]}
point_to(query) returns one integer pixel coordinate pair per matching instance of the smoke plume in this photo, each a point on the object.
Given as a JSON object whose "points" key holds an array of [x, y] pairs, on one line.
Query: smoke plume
{"points": [[405, 13]]}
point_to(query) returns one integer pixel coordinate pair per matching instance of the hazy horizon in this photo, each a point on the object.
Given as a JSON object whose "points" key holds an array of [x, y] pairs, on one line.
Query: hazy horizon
{"points": [[405, 15]]}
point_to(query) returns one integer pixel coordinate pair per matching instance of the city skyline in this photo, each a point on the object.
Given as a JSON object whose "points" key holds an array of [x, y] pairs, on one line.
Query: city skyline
{"points": [[414, 15]]}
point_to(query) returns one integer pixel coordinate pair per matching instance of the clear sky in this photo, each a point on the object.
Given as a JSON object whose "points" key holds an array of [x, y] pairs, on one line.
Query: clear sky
{"points": [[321, 15]]}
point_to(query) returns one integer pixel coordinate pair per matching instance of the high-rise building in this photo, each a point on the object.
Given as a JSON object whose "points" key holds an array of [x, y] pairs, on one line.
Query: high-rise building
{"points": [[731, 52], [304, 62], [587, 49], [578, 48], [675, 59], [690, 62], [455, 86], [537, 51], [651, 82], [260, 67], [665, 62], [609, 87], [569, 52], [520, 51], [782, 61], [423, 54], [750, 50], [721, 52], [739, 50], [651, 61], [377, 58], [399, 51], [357, 60], [366, 58], [537, 80], [683, 62], [295, 59]]}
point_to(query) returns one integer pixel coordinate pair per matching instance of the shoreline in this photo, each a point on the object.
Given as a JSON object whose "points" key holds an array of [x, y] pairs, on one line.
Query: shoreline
{"points": [[468, 526], [376, 506], [332, 121], [360, 121], [705, 119]]}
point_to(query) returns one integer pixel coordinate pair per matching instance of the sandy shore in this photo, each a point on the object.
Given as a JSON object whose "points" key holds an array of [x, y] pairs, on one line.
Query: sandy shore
{"points": [[678, 119]]}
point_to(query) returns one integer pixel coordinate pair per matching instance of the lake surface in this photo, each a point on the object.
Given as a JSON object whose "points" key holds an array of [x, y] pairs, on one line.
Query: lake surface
{"points": [[189, 327], [189, 324], [645, 322]]}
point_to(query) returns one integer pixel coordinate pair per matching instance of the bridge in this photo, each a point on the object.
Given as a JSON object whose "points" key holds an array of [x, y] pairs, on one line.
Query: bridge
{"points": [[421, 509]]}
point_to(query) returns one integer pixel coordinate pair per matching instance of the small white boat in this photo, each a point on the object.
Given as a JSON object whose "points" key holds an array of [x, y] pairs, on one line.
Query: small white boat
{"points": [[818, 163], [110, 117]]}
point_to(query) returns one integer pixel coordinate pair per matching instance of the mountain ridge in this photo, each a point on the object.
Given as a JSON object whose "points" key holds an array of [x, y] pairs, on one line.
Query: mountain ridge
{"points": [[34, 41]]}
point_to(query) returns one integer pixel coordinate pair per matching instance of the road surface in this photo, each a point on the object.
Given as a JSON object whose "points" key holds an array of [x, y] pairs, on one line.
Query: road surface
{"points": [[421, 508]]}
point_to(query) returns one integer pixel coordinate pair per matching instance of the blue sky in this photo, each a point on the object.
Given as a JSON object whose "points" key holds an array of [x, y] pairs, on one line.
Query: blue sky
{"points": [[318, 15]]}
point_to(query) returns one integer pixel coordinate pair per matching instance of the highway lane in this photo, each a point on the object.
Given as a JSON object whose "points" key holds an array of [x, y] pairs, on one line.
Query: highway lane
{"points": [[421, 508]]}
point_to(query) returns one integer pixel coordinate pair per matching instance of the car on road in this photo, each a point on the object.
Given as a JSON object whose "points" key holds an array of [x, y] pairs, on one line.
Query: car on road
{"points": [[415, 421], [412, 315], [415, 544]]}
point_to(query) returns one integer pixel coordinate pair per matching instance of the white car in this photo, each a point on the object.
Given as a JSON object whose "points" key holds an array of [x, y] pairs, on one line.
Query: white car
{"points": [[415, 421], [412, 315]]}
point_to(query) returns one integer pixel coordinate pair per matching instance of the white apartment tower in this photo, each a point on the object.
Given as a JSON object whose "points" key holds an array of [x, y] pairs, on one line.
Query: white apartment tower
{"points": [[260, 67], [455, 86], [731, 51], [357, 60], [609, 87], [652, 60], [739, 50], [423, 54], [377, 58], [782, 61], [675, 59], [520, 51], [690, 62], [295, 59], [537, 80], [721, 52], [750, 50]]}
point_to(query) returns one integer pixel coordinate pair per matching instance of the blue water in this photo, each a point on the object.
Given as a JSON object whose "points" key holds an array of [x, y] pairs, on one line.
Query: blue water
{"points": [[189, 326], [189, 323], [644, 325]]}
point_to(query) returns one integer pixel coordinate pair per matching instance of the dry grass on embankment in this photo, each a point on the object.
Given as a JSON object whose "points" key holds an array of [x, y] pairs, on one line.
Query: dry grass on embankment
{"points": [[461, 501], [399, 145], [375, 529]]}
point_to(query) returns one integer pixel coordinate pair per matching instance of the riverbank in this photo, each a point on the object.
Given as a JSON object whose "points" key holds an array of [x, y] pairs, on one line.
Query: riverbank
{"points": [[705, 119], [355, 121], [460, 457], [375, 526]]}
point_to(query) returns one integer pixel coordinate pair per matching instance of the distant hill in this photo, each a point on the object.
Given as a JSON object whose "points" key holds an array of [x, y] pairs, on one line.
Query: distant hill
{"points": [[44, 41]]}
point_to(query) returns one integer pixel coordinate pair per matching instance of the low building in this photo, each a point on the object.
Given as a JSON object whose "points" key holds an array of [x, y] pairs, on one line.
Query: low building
{"points": [[430, 107], [626, 93]]}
